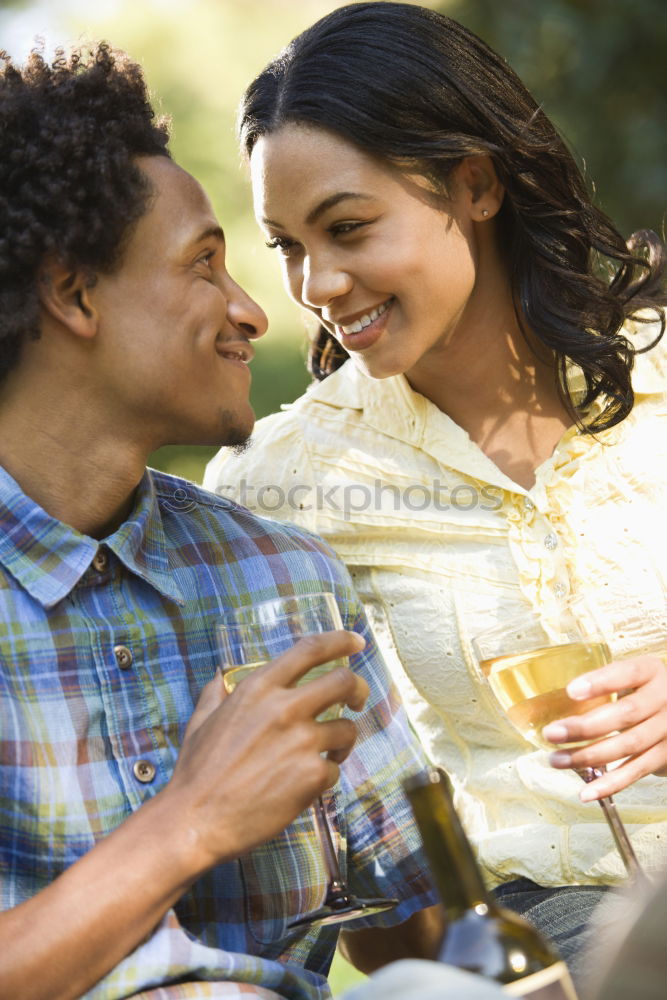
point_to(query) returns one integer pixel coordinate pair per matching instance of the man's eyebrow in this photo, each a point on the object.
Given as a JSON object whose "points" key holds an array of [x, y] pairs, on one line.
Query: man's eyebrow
{"points": [[214, 232], [322, 207]]}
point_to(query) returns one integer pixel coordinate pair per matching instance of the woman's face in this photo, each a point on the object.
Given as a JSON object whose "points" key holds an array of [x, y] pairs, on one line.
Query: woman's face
{"points": [[388, 267]]}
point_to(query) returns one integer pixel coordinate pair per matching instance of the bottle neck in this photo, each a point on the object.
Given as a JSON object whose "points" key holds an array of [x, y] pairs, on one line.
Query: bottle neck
{"points": [[448, 850]]}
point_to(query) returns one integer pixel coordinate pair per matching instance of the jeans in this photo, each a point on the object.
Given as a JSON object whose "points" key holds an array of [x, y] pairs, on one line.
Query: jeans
{"points": [[561, 914]]}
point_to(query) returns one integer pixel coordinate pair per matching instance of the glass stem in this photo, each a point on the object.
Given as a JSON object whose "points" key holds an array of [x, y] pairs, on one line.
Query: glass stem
{"points": [[618, 831], [335, 886]]}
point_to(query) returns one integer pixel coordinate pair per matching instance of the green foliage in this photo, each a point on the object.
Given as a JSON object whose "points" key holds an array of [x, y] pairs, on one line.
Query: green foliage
{"points": [[598, 67]]}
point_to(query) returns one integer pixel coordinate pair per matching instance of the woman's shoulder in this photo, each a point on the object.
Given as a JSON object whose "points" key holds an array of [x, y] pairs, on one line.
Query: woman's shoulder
{"points": [[276, 444], [280, 446]]}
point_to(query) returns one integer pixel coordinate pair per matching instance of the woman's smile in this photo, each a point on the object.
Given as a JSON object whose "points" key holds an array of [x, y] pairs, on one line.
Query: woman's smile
{"points": [[362, 333]]}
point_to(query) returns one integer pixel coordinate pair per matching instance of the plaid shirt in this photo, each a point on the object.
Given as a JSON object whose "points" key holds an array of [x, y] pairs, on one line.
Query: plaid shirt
{"points": [[104, 649]]}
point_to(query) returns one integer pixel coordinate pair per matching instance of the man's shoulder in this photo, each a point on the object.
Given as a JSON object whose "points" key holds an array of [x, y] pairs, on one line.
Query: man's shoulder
{"points": [[220, 514]]}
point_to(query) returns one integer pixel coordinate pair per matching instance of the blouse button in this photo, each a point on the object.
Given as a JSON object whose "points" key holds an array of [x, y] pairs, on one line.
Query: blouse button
{"points": [[560, 590], [551, 542], [123, 657], [144, 771], [528, 504]]}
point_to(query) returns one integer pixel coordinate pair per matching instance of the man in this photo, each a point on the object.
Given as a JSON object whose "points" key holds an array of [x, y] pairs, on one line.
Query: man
{"points": [[136, 802]]}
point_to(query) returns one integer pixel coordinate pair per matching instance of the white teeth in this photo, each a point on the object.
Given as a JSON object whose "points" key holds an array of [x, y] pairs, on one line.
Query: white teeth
{"points": [[366, 319], [234, 354]]}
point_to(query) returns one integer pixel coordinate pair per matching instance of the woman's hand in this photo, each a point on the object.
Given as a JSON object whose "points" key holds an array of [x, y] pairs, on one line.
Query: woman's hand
{"points": [[637, 719]]}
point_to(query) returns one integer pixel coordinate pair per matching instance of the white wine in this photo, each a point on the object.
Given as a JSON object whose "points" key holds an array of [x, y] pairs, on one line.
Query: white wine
{"points": [[480, 936], [530, 686], [234, 675]]}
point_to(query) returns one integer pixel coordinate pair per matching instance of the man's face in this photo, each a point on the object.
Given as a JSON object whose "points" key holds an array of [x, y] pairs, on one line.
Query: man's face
{"points": [[174, 328]]}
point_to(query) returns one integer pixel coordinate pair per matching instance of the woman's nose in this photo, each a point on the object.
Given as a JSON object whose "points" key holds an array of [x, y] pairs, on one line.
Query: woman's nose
{"points": [[322, 283]]}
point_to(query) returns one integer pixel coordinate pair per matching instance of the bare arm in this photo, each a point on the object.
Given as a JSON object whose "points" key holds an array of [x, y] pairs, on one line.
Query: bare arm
{"points": [[249, 765], [371, 948]]}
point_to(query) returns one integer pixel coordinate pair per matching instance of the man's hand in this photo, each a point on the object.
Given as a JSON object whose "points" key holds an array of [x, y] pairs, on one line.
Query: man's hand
{"points": [[637, 720], [254, 760]]}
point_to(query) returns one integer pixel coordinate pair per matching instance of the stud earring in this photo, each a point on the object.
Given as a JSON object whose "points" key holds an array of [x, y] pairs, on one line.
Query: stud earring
{"points": [[485, 212]]}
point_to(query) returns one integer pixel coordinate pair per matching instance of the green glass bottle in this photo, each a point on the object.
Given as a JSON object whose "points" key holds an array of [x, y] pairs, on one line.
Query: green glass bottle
{"points": [[481, 936]]}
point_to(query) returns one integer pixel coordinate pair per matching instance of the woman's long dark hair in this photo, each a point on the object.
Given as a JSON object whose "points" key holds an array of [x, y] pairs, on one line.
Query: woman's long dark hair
{"points": [[418, 89]]}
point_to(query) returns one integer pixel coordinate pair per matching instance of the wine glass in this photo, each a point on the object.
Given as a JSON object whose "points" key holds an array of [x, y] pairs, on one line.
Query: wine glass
{"points": [[528, 662], [249, 637]]}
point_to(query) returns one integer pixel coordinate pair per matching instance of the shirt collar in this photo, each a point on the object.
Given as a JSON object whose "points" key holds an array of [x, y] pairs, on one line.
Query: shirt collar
{"points": [[48, 558], [394, 409]]}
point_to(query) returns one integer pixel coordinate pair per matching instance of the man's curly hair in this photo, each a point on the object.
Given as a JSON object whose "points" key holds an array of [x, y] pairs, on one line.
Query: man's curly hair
{"points": [[69, 185]]}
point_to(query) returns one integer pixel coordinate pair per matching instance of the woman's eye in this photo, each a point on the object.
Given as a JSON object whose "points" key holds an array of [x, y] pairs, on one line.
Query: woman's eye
{"points": [[342, 228], [280, 243]]}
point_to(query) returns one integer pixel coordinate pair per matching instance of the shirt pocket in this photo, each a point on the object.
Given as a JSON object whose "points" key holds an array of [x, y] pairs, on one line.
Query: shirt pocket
{"points": [[285, 878]]}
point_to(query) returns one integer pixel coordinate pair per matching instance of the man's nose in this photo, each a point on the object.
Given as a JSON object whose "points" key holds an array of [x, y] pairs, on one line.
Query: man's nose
{"points": [[245, 314]]}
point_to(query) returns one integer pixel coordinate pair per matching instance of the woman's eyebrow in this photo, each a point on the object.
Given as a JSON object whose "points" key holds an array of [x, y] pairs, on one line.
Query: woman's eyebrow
{"points": [[321, 207]]}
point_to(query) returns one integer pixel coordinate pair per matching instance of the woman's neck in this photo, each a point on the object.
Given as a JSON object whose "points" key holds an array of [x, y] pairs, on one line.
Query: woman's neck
{"points": [[500, 389]]}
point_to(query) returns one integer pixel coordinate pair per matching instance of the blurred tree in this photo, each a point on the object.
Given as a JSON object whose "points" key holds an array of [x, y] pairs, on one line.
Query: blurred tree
{"points": [[598, 68]]}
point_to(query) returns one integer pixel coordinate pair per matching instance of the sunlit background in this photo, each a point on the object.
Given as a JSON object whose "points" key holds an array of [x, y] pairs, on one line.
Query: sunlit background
{"points": [[598, 67]]}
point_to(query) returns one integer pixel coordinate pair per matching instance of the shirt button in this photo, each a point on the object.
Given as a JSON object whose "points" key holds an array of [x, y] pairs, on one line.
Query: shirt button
{"points": [[123, 657], [100, 561], [528, 504], [144, 771], [560, 590], [551, 542]]}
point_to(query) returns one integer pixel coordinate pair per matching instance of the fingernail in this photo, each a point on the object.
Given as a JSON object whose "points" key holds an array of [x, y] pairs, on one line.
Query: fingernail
{"points": [[579, 689], [555, 733], [588, 794], [561, 758]]}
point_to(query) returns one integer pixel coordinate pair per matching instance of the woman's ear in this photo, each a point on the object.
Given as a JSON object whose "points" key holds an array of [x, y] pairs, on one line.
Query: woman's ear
{"points": [[66, 296], [477, 177]]}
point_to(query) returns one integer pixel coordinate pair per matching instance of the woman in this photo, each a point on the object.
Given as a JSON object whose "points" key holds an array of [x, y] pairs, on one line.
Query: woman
{"points": [[484, 447]]}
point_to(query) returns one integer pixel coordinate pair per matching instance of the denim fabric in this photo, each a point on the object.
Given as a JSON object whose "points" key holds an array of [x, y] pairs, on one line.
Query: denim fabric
{"points": [[562, 914]]}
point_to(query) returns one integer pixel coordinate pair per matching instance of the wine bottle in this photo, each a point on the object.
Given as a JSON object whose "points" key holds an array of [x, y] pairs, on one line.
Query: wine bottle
{"points": [[481, 936]]}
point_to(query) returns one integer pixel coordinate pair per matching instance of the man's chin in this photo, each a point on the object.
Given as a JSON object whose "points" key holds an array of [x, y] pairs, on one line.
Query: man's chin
{"points": [[235, 433], [239, 447]]}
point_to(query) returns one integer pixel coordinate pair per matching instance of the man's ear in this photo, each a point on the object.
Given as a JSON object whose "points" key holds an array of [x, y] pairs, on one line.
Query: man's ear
{"points": [[478, 178], [66, 295]]}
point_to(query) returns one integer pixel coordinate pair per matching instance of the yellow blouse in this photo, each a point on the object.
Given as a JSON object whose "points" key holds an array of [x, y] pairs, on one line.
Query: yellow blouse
{"points": [[440, 543]]}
